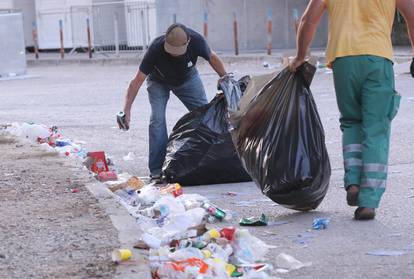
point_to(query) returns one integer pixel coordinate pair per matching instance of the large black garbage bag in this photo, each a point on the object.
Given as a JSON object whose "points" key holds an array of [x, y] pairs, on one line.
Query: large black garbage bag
{"points": [[200, 148], [279, 137]]}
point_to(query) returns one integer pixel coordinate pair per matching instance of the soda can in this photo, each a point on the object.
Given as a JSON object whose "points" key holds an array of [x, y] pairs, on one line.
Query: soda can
{"points": [[214, 211], [121, 119]]}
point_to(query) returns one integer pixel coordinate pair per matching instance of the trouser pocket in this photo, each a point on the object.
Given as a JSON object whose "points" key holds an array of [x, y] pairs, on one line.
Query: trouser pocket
{"points": [[395, 105]]}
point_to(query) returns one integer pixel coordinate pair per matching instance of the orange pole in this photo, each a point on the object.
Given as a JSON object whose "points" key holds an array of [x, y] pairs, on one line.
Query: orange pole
{"points": [[62, 49], [269, 31], [205, 25], [235, 33], [88, 30], [35, 42]]}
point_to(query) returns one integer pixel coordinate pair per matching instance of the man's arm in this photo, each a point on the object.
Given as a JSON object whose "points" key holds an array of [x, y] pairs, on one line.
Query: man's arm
{"points": [[217, 64], [406, 7], [133, 89], [306, 31]]}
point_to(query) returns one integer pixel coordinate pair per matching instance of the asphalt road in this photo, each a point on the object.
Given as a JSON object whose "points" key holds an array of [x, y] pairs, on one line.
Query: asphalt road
{"points": [[83, 101]]}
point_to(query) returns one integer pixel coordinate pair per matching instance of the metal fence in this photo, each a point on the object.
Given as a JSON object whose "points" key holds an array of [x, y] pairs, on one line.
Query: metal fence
{"points": [[108, 28], [126, 26]]}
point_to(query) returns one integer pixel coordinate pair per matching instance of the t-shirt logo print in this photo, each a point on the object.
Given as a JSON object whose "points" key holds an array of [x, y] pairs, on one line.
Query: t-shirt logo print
{"points": [[190, 64]]}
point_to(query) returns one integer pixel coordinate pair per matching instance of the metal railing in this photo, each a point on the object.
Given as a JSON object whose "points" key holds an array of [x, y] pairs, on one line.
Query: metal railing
{"points": [[107, 28], [123, 26]]}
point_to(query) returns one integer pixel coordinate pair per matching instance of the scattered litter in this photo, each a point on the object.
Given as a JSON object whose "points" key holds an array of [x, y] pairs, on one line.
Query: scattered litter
{"points": [[387, 253], [320, 223], [121, 255], [231, 194], [107, 176], [409, 247], [129, 157], [254, 221], [278, 223], [133, 183], [96, 162], [287, 262], [176, 237]]}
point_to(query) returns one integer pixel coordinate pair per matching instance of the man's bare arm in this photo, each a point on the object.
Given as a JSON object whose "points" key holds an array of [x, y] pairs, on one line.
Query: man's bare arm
{"points": [[217, 64], [406, 7], [307, 29], [133, 89]]}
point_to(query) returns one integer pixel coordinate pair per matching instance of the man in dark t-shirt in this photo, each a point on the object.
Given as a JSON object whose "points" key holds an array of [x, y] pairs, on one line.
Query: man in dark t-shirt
{"points": [[170, 65]]}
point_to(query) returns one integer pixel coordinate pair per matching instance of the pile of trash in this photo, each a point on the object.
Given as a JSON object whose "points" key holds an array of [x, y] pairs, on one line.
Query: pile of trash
{"points": [[180, 244], [49, 138], [180, 231]]}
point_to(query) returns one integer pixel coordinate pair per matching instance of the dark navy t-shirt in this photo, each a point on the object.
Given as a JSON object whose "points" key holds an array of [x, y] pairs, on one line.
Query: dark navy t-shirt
{"points": [[162, 67]]}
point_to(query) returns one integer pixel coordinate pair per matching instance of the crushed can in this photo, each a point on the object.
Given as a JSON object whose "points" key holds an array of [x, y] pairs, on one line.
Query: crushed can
{"points": [[214, 211], [121, 119]]}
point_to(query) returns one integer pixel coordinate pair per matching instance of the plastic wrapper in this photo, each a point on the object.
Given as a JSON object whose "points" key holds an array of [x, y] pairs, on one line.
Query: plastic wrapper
{"points": [[200, 149], [279, 136]]}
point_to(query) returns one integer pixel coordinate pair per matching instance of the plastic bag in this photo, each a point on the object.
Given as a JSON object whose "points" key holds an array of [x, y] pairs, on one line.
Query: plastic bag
{"points": [[279, 137], [200, 149]]}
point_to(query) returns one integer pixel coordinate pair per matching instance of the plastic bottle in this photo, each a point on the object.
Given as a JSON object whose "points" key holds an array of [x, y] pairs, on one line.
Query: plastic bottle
{"points": [[186, 253]]}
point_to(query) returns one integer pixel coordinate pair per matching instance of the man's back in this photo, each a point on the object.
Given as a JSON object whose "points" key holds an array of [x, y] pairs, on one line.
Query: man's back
{"points": [[360, 27]]}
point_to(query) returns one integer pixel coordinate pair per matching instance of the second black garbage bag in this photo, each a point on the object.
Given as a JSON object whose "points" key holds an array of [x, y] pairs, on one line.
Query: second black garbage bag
{"points": [[200, 149], [279, 137]]}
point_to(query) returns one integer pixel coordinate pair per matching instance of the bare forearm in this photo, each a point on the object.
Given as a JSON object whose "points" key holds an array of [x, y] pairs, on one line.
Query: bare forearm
{"points": [[308, 26], [217, 65], [306, 32], [133, 89], [406, 7], [410, 28]]}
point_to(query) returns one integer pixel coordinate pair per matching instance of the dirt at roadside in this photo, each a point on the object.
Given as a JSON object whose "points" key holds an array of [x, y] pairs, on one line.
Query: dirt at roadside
{"points": [[48, 230]]}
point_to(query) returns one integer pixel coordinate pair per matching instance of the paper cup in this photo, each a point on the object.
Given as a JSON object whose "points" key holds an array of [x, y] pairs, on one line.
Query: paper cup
{"points": [[121, 255]]}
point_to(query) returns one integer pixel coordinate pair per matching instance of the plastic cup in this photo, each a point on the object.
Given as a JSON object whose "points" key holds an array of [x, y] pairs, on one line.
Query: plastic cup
{"points": [[121, 255]]}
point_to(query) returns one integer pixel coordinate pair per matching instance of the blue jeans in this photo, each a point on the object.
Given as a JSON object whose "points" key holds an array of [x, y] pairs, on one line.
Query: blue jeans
{"points": [[191, 93]]}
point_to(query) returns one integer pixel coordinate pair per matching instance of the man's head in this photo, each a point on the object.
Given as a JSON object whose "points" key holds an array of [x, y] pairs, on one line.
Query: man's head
{"points": [[176, 40]]}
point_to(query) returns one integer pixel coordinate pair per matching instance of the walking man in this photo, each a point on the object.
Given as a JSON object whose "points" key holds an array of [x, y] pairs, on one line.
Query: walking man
{"points": [[170, 65], [360, 53]]}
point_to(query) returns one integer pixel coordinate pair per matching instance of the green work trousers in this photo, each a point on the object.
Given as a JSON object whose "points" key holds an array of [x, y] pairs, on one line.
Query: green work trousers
{"points": [[367, 101]]}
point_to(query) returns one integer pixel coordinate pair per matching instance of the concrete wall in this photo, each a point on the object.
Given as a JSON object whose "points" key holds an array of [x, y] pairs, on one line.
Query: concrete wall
{"points": [[27, 7], [252, 18]]}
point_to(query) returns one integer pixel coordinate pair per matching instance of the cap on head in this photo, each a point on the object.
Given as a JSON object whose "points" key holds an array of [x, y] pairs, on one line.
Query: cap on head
{"points": [[176, 40]]}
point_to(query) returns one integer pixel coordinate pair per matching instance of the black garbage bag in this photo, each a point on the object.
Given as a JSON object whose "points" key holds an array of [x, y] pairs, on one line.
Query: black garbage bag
{"points": [[200, 149], [279, 137]]}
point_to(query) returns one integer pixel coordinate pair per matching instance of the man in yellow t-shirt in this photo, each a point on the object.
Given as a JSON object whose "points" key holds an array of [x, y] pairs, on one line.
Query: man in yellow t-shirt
{"points": [[360, 54]]}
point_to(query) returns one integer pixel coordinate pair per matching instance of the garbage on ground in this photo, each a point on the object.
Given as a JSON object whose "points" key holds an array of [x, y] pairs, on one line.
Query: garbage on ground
{"points": [[107, 176], [174, 224], [203, 136], [387, 253], [290, 166], [320, 223], [286, 263], [133, 183], [254, 221], [97, 162], [129, 157], [121, 255]]}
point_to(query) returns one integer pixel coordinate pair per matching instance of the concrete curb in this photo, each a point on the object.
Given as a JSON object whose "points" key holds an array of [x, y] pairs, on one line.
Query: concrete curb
{"points": [[128, 233]]}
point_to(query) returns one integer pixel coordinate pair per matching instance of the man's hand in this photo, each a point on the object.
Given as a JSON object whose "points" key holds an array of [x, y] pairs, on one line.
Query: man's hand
{"points": [[127, 117], [296, 63], [412, 68]]}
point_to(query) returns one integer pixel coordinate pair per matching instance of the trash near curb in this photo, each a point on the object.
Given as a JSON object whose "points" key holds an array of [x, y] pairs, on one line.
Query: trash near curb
{"points": [[180, 230]]}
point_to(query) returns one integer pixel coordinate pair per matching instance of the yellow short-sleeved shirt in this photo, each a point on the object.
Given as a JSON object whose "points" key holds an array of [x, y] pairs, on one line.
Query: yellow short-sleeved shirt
{"points": [[360, 27]]}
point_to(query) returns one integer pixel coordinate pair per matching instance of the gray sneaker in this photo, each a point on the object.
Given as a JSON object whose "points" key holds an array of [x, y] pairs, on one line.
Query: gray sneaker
{"points": [[156, 178]]}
